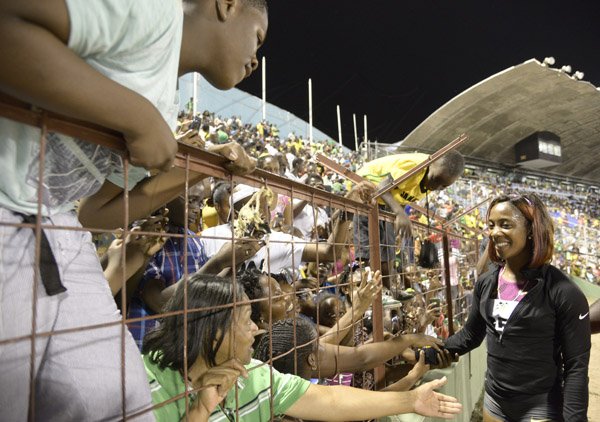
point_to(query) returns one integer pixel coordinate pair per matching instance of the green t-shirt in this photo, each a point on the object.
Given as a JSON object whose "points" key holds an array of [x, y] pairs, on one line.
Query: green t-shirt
{"points": [[253, 393]]}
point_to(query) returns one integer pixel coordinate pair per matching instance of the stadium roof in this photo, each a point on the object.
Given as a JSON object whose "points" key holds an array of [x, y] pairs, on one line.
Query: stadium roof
{"points": [[507, 107]]}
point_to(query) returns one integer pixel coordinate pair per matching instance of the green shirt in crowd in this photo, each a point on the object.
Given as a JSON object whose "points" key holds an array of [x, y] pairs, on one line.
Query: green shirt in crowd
{"points": [[253, 393]]}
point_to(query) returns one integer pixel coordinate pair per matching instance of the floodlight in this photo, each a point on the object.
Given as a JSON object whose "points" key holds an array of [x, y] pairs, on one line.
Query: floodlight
{"points": [[548, 61]]}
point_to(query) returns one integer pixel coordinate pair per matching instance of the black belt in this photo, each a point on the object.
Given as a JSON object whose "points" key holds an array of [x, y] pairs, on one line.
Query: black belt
{"points": [[48, 266]]}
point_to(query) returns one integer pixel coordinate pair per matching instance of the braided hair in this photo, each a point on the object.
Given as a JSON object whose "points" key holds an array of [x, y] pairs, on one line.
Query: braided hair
{"points": [[282, 334], [250, 279]]}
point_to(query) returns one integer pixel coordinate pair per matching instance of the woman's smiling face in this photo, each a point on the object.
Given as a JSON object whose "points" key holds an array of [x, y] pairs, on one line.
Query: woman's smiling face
{"points": [[508, 230]]}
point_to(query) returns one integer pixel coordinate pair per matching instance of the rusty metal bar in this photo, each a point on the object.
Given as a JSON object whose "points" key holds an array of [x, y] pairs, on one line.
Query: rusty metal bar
{"points": [[446, 251], [375, 263]]}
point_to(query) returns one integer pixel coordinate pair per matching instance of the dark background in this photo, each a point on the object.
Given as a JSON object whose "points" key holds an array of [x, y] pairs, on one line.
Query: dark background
{"points": [[399, 61]]}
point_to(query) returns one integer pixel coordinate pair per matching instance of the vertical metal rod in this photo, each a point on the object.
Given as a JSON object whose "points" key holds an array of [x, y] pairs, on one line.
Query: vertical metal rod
{"points": [[124, 285], [310, 111], [339, 123], [446, 250], [355, 132], [264, 88], [375, 263]]}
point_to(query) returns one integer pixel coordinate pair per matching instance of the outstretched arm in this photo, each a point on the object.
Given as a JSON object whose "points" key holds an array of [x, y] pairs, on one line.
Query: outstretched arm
{"points": [[292, 211], [40, 69], [338, 403], [105, 208], [362, 299], [332, 359], [328, 252]]}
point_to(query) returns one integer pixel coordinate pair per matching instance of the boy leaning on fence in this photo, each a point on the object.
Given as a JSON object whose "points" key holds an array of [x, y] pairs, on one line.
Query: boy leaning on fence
{"points": [[114, 63]]}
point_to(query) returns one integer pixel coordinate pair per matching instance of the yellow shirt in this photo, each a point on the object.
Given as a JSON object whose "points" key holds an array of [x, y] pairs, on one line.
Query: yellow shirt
{"points": [[396, 165], [210, 217]]}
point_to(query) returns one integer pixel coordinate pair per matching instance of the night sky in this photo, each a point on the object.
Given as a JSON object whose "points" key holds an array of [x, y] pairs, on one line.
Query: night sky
{"points": [[399, 61]]}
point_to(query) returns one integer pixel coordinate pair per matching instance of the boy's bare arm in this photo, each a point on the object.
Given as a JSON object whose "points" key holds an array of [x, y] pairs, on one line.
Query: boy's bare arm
{"points": [[105, 209], [39, 68]]}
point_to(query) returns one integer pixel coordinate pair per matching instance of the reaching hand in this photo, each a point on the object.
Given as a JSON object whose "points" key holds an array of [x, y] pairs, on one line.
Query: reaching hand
{"points": [[432, 313], [216, 383], [429, 403], [402, 228], [362, 192], [363, 297], [421, 340], [241, 163], [244, 250], [420, 367], [153, 146], [191, 137], [445, 359], [138, 246]]}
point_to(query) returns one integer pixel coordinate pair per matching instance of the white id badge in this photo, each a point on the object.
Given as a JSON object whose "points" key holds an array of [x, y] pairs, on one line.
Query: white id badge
{"points": [[502, 310]]}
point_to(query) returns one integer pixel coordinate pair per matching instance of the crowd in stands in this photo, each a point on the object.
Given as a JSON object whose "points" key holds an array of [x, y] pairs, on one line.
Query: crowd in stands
{"points": [[313, 284]]}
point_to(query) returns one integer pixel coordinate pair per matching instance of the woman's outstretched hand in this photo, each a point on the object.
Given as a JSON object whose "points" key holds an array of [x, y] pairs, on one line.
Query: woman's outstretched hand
{"points": [[429, 403]]}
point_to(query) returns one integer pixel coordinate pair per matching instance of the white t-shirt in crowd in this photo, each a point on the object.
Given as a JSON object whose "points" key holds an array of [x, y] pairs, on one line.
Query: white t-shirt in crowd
{"points": [[134, 43], [281, 251], [305, 221]]}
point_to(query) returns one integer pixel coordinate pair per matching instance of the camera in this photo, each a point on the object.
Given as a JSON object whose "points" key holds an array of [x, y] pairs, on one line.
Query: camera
{"points": [[430, 355]]}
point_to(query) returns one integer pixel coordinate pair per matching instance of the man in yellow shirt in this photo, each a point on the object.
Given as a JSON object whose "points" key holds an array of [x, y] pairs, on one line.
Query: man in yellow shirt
{"points": [[439, 175]]}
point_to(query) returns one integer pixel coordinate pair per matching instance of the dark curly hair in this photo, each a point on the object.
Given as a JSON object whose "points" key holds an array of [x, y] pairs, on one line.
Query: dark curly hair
{"points": [[249, 278]]}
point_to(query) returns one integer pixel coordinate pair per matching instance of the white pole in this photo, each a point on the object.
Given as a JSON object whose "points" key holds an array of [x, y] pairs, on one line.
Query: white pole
{"points": [[366, 138], [195, 94], [355, 132], [310, 114], [339, 125], [264, 88]]}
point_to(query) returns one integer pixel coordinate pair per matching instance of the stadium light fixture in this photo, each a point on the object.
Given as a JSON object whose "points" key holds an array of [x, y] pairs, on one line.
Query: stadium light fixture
{"points": [[578, 75], [566, 69], [548, 61]]}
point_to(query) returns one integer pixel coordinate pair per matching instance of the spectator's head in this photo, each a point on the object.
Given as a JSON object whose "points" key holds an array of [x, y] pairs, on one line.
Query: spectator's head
{"points": [[298, 166], [303, 361], [445, 171], [221, 38], [273, 304], [520, 229], [314, 180], [306, 302], [221, 201], [331, 309], [269, 163], [283, 164], [211, 332], [311, 167]]}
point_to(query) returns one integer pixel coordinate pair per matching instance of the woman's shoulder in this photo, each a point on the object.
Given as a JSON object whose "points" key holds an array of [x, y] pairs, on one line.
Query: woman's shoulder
{"points": [[559, 284]]}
